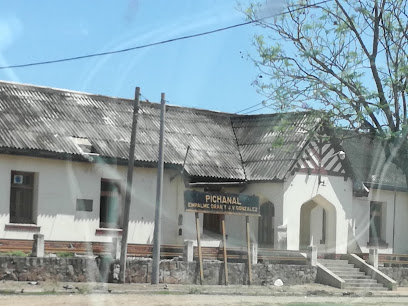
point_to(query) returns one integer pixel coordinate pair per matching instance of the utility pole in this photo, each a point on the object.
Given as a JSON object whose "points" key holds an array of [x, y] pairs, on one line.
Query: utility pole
{"points": [[128, 195], [159, 196]]}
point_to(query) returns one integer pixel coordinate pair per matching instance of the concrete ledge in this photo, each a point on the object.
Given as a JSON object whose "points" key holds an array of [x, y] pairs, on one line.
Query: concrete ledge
{"points": [[22, 227], [372, 272], [326, 277]]}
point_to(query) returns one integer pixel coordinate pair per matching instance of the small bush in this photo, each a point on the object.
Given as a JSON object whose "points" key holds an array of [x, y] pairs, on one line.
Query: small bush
{"points": [[64, 254]]}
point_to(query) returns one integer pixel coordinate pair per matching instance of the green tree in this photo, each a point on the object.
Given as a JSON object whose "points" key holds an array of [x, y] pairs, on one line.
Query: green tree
{"points": [[347, 57]]}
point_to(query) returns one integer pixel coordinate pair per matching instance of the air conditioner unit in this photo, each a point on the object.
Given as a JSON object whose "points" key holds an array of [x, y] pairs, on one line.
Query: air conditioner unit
{"points": [[18, 179]]}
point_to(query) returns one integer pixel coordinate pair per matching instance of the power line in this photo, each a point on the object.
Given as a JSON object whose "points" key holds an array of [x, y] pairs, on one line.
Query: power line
{"points": [[155, 43], [124, 50], [250, 107], [255, 110], [146, 99]]}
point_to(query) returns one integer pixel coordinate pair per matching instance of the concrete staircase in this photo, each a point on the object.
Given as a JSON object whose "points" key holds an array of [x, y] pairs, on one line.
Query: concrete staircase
{"points": [[353, 277]]}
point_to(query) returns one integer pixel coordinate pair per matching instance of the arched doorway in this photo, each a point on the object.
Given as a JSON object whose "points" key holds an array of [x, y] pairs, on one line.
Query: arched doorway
{"points": [[266, 225], [318, 225]]}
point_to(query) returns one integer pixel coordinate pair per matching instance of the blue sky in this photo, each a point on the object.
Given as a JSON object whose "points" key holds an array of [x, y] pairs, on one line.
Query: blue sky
{"points": [[210, 72]]}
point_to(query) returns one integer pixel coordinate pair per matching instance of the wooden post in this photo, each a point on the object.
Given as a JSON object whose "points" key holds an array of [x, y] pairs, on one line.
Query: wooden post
{"points": [[224, 242], [249, 250], [200, 256]]}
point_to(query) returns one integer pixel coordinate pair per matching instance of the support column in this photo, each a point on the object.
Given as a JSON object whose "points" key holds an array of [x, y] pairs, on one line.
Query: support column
{"points": [[188, 251], [116, 248], [312, 255], [373, 258], [38, 246], [282, 237]]}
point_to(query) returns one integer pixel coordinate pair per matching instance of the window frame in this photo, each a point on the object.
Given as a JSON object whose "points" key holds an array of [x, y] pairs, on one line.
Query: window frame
{"points": [[266, 225], [376, 222], [15, 215], [104, 224], [212, 223]]}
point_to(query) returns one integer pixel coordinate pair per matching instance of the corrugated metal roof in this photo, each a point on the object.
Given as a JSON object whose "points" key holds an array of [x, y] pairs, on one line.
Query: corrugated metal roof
{"points": [[271, 144], [39, 118], [369, 164], [222, 145]]}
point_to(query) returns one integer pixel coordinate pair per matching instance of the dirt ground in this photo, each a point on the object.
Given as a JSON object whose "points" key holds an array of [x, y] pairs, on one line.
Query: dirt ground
{"points": [[142, 299], [23, 293]]}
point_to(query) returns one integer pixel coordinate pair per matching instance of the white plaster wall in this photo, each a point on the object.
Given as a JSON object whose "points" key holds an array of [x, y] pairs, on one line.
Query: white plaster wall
{"points": [[401, 223], [60, 183], [360, 223], [391, 235], [267, 191], [302, 188]]}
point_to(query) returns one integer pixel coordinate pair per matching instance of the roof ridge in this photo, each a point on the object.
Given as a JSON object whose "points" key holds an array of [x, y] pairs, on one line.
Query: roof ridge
{"points": [[64, 90], [238, 116]]}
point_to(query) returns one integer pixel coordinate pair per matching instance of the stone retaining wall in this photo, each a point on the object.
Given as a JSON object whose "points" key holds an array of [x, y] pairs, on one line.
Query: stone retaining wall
{"points": [[400, 275], [181, 272], [50, 268], [139, 271]]}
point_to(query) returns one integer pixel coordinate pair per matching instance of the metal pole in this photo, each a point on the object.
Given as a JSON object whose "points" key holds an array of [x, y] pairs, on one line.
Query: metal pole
{"points": [[159, 196], [128, 195]]}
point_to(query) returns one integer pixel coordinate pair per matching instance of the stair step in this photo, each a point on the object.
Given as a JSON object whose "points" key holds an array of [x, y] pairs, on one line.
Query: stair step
{"points": [[359, 282], [333, 261], [346, 271], [342, 266], [351, 275], [363, 286], [367, 288], [353, 278]]}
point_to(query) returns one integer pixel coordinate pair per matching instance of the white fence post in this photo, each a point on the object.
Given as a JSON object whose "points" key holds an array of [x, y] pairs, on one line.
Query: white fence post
{"points": [[373, 258], [38, 246], [188, 254], [312, 255], [117, 242], [282, 237]]}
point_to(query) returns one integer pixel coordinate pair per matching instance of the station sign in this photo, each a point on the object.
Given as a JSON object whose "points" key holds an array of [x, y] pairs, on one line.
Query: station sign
{"points": [[221, 203]]}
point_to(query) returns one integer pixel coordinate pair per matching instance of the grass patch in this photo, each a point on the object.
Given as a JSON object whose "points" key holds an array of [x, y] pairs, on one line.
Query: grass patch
{"points": [[7, 291], [16, 253], [162, 292], [194, 291], [64, 254]]}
